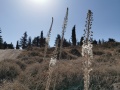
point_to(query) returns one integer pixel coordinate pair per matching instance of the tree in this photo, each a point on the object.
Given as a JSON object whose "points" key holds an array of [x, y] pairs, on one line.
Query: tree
{"points": [[1, 41], [111, 40], [99, 42], [103, 41], [73, 36], [42, 40], [58, 38], [5, 45], [11, 46], [23, 41], [17, 45], [94, 42], [66, 43], [36, 41], [29, 42], [81, 41], [69, 42]]}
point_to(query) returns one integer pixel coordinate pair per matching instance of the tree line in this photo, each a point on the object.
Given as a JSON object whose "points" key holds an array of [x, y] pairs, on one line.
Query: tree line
{"points": [[4, 44], [39, 41]]}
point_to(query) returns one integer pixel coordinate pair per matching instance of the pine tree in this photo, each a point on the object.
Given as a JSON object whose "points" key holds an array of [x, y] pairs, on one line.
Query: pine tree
{"points": [[36, 41], [29, 42], [23, 41], [73, 36], [17, 45], [5, 45], [58, 40], [1, 41], [11, 46]]}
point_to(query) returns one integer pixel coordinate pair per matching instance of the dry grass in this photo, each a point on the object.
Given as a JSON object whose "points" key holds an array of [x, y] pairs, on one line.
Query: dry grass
{"points": [[14, 86], [31, 73]]}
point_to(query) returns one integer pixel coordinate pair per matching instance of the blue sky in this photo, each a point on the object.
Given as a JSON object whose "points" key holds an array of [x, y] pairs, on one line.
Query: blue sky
{"points": [[33, 16]]}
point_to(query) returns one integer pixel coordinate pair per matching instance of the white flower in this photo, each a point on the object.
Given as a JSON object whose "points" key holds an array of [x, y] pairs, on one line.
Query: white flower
{"points": [[87, 49], [52, 62]]}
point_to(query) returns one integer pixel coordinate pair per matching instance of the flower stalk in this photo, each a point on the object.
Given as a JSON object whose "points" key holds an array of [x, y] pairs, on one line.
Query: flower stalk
{"points": [[87, 50], [63, 32], [47, 40], [52, 65]]}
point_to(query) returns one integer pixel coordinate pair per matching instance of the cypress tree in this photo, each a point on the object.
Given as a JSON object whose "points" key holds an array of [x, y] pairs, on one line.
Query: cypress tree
{"points": [[42, 40], [73, 36], [17, 45]]}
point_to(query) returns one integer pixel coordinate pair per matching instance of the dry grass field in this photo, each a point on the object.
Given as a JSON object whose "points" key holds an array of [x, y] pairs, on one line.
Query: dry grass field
{"points": [[29, 71]]}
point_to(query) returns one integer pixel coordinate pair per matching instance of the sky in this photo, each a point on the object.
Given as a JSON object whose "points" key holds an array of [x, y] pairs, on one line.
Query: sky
{"points": [[34, 16]]}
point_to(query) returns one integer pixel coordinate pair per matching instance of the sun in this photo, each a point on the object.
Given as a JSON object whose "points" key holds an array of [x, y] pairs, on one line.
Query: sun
{"points": [[39, 1]]}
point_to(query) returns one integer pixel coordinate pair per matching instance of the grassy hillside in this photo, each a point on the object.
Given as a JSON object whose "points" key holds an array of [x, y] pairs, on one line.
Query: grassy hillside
{"points": [[29, 71]]}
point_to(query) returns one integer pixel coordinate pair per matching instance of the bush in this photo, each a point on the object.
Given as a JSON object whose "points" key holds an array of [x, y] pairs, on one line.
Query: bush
{"points": [[21, 64], [9, 70], [35, 76], [75, 52], [98, 52]]}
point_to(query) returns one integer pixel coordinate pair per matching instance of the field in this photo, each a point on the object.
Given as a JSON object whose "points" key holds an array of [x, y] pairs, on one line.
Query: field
{"points": [[28, 70]]}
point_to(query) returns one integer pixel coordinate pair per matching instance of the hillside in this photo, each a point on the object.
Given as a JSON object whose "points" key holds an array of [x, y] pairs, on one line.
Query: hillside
{"points": [[29, 71], [9, 54]]}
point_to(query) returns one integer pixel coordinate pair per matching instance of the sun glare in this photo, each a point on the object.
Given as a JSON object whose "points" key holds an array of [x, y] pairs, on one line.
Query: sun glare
{"points": [[39, 1]]}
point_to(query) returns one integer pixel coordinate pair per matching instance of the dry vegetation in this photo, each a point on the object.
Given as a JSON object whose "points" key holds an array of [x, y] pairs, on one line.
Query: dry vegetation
{"points": [[29, 71]]}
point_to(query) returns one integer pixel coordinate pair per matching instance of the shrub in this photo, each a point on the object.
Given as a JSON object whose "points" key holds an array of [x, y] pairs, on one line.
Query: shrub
{"points": [[35, 76], [9, 70], [33, 53], [21, 64], [75, 52], [98, 52]]}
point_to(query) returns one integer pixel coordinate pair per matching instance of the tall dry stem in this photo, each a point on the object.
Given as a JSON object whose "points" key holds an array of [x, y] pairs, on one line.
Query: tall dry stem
{"points": [[63, 32], [87, 50], [52, 65], [47, 40]]}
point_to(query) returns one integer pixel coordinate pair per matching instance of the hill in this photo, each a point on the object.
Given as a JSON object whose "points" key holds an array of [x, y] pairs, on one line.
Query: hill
{"points": [[9, 54], [29, 71]]}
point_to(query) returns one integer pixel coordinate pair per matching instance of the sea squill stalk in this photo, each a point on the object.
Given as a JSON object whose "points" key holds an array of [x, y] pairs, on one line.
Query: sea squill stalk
{"points": [[52, 65], [87, 50], [63, 32], [47, 40]]}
